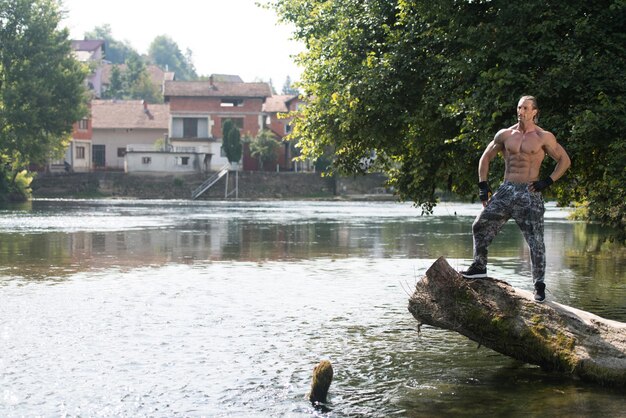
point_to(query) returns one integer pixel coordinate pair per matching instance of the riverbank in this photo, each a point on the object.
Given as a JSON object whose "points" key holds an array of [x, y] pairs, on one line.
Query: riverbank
{"points": [[251, 185]]}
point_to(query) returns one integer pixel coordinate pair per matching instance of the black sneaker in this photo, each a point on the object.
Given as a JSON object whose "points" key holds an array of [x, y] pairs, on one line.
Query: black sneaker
{"points": [[540, 292], [475, 272]]}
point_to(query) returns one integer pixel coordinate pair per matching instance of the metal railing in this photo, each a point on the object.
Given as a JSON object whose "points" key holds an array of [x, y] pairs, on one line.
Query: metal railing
{"points": [[209, 182]]}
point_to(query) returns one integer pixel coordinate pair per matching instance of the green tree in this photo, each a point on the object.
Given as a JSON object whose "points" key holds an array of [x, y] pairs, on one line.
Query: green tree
{"points": [[231, 142], [115, 51], [132, 83], [264, 147], [144, 89], [165, 53], [137, 81], [41, 90], [427, 84], [135, 70], [116, 85], [288, 87]]}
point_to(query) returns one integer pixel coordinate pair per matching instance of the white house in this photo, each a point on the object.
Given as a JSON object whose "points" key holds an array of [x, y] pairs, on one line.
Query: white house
{"points": [[166, 160], [116, 124]]}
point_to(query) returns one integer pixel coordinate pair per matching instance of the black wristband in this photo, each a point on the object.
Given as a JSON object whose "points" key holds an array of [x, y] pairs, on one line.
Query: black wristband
{"points": [[484, 191], [542, 184]]}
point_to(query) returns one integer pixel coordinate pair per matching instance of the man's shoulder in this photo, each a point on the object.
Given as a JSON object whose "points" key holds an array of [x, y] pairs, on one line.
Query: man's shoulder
{"points": [[545, 135], [504, 134]]}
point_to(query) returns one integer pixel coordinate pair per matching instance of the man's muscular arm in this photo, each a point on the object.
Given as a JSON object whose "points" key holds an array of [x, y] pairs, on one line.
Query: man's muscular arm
{"points": [[483, 167], [489, 154], [563, 162]]}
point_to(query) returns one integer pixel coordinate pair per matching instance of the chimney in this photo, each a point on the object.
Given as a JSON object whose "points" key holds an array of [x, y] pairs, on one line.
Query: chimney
{"points": [[146, 110], [211, 85]]}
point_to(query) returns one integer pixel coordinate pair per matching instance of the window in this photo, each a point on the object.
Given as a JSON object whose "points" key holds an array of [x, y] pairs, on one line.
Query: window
{"points": [[190, 127], [80, 153], [121, 152], [83, 125], [182, 160], [146, 160], [231, 103]]}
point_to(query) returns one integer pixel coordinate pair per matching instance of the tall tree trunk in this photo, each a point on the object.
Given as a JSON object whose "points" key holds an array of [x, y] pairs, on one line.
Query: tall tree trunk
{"points": [[508, 320]]}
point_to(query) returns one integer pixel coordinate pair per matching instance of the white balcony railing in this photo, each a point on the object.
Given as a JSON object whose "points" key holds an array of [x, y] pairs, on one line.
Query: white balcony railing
{"points": [[202, 149], [141, 148]]}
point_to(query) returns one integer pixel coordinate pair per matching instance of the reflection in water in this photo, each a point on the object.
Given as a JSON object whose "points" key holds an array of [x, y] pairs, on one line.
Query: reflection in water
{"points": [[59, 238], [222, 309], [125, 236]]}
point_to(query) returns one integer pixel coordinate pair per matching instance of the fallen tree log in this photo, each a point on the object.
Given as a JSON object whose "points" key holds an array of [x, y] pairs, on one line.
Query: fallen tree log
{"points": [[508, 320]]}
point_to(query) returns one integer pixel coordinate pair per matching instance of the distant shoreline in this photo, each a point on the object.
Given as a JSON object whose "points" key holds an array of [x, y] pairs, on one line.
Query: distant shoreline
{"points": [[252, 186]]}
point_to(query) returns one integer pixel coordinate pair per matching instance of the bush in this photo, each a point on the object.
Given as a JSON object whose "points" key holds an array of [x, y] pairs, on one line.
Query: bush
{"points": [[18, 189]]}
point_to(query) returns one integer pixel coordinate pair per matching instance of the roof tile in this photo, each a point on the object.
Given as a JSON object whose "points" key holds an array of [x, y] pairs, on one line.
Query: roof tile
{"points": [[278, 103], [128, 114], [217, 89]]}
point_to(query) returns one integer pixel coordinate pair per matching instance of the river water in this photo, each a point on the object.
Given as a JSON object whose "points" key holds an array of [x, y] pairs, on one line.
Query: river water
{"points": [[177, 308]]}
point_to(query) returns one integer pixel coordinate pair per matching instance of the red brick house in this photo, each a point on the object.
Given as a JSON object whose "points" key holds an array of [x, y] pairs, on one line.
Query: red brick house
{"points": [[276, 108], [78, 155], [198, 110]]}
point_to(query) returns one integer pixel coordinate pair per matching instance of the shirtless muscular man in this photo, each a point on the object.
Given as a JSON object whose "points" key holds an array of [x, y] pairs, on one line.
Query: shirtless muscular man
{"points": [[523, 146]]}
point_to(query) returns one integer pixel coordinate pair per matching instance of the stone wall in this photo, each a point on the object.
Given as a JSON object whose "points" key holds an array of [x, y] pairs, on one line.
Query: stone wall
{"points": [[252, 185]]}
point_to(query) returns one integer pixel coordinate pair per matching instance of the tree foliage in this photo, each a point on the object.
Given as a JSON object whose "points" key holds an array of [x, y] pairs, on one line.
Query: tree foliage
{"points": [[41, 89], [132, 82], [115, 51], [116, 83], [165, 53], [427, 84], [264, 147], [231, 142], [129, 75], [137, 82], [288, 87]]}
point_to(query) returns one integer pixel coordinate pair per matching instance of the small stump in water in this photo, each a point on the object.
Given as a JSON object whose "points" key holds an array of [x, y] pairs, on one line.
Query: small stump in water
{"points": [[322, 377]]}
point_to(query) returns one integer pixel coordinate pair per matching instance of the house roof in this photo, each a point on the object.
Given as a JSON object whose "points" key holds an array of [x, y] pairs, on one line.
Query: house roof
{"points": [[156, 74], [129, 114], [87, 49], [216, 89], [278, 103], [87, 44], [226, 78]]}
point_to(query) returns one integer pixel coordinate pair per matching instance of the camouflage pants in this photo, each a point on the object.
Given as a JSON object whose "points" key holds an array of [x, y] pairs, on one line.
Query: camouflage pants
{"points": [[512, 200]]}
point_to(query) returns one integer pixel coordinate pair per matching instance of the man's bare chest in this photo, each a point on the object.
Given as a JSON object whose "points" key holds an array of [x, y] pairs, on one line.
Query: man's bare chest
{"points": [[526, 144]]}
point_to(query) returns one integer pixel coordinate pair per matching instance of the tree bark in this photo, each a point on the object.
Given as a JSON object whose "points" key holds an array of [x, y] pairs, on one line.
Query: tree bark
{"points": [[508, 320]]}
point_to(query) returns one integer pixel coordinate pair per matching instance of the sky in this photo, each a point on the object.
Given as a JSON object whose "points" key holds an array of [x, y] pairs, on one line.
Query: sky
{"points": [[225, 36]]}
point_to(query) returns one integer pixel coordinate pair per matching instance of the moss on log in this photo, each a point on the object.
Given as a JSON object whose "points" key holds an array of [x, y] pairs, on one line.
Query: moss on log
{"points": [[508, 320]]}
